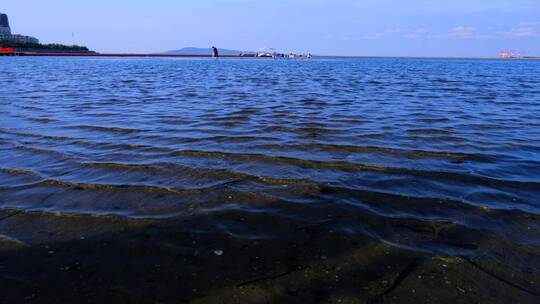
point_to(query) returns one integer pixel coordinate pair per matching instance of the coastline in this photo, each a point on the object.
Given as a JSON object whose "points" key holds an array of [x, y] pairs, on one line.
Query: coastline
{"points": [[164, 55]]}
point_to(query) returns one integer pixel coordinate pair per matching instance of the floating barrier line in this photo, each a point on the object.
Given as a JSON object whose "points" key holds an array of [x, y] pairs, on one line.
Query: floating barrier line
{"points": [[131, 55]]}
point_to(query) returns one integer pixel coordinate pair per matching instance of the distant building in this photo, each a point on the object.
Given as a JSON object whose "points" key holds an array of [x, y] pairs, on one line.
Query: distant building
{"points": [[4, 25], [6, 36]]}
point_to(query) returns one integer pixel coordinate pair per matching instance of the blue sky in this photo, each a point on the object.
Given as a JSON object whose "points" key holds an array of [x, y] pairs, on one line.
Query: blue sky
{"points": [[338, 27]]}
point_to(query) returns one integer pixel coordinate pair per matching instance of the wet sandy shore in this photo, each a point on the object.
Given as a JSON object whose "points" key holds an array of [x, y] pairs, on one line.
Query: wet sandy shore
{"points": [[58, 258], [254, 181]]}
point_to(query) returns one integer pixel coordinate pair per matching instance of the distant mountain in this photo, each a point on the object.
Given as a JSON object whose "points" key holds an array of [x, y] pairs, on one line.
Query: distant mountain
{"points": [[201, 51]]}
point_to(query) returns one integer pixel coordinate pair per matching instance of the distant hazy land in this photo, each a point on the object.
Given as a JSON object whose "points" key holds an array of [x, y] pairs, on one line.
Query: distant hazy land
{"points": [[200, 51]]}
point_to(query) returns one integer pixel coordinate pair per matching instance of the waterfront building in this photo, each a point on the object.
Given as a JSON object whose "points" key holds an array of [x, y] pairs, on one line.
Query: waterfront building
{"points": [[4, 25], [7, 36]]}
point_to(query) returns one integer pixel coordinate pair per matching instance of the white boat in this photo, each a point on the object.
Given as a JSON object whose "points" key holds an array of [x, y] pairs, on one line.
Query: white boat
{"points": [[266, 53]]}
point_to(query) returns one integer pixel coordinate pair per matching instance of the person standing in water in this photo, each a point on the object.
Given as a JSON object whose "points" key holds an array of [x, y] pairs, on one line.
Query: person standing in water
{"points": [[216, 53]]}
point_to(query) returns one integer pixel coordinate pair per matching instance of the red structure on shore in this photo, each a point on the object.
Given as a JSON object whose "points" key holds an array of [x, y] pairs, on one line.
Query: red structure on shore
{"points": [[7, 51], [509, 54]]}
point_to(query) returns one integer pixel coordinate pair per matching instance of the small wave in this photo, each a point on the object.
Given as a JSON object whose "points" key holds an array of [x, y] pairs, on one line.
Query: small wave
{"points": [[430, 132], [11, 242], [14, 171], [381, 150], [35, 135], [117, 130], [41, 120], [434, 120], [436, 139], [59, 155], [441, 80], [303, 130], [231, 118], [348, 166], [247, 111]]}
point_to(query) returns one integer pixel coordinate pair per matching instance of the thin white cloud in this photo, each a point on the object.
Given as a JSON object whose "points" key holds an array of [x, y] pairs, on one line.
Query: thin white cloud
{"points": [[523, 30], [349, 38], [417, 33], [535, 23], [393, 32], [462, 32], [372, 36]]}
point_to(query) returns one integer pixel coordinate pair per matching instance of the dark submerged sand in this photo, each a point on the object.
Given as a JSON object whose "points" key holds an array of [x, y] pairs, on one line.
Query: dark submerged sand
{"points": [[57, 258]]}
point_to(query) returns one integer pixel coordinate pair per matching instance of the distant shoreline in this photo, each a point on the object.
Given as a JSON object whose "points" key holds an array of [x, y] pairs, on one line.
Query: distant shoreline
{"points": [[251, 56], [422, 57]]}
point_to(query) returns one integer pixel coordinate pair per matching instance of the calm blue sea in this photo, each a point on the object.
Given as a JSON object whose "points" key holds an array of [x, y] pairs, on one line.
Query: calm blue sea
{"points": [[437, 156]]}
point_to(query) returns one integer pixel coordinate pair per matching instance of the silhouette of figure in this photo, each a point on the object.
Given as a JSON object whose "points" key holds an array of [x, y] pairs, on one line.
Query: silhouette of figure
{"points": [[216, 53]]}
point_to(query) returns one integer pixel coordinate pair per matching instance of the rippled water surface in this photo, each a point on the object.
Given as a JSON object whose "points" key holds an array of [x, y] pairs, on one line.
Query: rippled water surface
{"points": [[430, 155]]}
